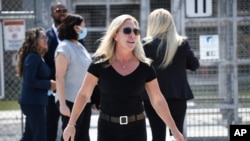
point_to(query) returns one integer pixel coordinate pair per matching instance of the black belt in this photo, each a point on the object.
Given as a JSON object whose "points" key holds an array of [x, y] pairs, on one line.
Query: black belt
{"points": [[122, 120]]}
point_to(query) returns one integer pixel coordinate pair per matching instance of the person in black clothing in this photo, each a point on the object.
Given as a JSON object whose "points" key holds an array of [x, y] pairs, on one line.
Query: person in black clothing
{"points": [[121, 71], [58, 13], [36, 82], [171, 55]]}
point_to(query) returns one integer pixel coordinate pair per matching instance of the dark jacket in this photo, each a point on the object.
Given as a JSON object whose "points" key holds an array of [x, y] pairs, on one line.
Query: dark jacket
{"points": [[49, 56], [36, 81], [173, 79]]}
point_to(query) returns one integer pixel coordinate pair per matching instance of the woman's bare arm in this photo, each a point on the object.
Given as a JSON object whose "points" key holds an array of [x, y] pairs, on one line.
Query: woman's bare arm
{"points": [[161, 107], [82, 98], [61, 63]]}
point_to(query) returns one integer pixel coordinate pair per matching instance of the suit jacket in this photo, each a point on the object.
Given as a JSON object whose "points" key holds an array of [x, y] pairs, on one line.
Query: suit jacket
{"points": [[173, 80], [36, 81], [49, 56]]}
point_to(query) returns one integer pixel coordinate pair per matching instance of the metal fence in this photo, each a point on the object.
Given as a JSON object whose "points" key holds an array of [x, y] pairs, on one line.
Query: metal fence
{"points": [[10, 121], [221, 86]]}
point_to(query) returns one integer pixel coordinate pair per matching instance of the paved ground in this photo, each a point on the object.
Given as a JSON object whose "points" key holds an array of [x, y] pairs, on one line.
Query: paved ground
{"points": [[10, 126], [203, 126]]}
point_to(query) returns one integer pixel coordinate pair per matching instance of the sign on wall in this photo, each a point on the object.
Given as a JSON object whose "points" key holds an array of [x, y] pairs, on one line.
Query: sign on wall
{"points": [[198, 8], [209, 47], [14, 32]]}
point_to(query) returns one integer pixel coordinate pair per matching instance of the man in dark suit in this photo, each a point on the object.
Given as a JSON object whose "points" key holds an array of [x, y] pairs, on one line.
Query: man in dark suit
{"points": [[58, 12]]}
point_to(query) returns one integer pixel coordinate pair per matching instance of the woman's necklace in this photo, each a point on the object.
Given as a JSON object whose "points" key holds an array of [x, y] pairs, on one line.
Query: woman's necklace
{"points": [[124, 66]]}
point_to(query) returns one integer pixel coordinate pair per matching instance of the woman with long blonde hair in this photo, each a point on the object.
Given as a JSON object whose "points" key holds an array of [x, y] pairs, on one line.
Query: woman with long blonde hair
{"points": [[122, 72], [171, 55]]}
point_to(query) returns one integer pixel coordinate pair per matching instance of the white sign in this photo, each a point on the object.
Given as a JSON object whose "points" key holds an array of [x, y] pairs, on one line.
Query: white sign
{"points": [[14, 32], [198, 8], [209, 47]]}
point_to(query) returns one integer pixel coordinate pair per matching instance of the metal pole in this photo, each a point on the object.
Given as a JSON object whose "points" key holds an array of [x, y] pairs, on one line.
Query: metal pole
{"points": [[145, 9]]}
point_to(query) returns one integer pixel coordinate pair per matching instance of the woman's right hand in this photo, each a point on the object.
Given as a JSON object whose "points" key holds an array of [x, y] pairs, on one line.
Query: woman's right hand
{"points": [[69, 133], [52, 85], [64, 110]]}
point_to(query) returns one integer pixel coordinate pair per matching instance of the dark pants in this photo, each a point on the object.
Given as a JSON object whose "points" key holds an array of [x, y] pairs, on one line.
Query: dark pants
{"points": [[82, 123], [35, 124], [52, 119], [108, 131], [158, 127]]}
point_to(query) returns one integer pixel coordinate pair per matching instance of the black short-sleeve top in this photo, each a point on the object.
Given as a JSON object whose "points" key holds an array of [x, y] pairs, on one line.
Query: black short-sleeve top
{"points": [[121, 95]]}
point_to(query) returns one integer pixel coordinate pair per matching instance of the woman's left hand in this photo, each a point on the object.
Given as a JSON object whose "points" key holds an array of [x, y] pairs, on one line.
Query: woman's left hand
{"points": [[178, 136]]}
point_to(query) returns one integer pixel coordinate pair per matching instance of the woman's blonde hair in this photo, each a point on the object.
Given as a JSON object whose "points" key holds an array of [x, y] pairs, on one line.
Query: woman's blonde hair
{"points": [[161, 25], [106, 48]]}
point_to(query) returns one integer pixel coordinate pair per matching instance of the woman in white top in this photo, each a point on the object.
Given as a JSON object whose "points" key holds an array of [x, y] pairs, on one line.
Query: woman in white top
{"points": [[72, 61]]}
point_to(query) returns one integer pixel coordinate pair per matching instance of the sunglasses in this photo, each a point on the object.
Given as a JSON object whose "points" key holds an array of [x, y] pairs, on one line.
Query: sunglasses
{"points": [[128, 30], [43, 37], [58, 10]]}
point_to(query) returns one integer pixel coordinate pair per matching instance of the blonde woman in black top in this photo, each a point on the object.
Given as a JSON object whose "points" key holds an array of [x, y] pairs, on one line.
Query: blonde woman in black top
{"points": [[172, 56], [122, 72]]}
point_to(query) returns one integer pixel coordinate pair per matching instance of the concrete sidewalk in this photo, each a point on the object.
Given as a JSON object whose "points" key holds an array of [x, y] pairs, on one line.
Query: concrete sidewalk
{"points": [[199, 125]]}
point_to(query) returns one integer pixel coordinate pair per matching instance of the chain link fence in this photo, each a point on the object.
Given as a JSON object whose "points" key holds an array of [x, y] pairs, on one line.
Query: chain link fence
{"points": [[221, 85], [10, 115]]}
